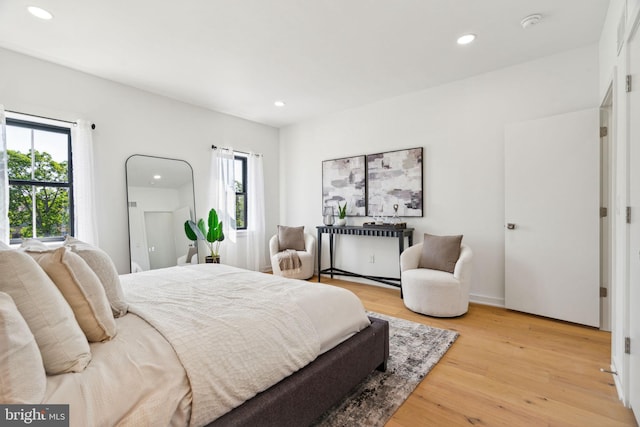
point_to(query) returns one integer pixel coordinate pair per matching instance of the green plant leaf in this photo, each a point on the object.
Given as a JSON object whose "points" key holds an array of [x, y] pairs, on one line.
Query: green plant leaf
{"points": [[189, 230], [213, 219], [215, 233], [342, 210], [202, 228]]}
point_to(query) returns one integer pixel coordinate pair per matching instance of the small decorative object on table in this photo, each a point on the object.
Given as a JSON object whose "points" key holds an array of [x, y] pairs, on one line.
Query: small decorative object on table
{"points": [[398, 225], [395, 219], [212, 235], [342, 215], [383, 222], [327, 215]]}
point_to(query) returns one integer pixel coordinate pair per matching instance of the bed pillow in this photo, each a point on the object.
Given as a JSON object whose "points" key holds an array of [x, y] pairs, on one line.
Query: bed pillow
{"points": [[440, 252], [103, 266], [82, 289], [62, 344], [34, 245], [291, 238], [22, 376]]}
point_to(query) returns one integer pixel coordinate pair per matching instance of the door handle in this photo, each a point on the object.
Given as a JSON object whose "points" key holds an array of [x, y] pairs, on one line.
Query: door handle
{"points": [[511, 226]]}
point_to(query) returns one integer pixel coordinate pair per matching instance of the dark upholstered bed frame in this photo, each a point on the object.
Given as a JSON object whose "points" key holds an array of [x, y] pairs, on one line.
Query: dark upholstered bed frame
{"points": [[302, 397]]}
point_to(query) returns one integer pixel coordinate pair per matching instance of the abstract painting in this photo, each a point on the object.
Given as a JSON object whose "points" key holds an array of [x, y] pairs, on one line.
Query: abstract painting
{"points": [[395, 178], [345, 180]]}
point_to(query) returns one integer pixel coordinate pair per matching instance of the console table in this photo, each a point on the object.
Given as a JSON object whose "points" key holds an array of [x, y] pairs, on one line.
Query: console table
{"points": [[399, 233]]}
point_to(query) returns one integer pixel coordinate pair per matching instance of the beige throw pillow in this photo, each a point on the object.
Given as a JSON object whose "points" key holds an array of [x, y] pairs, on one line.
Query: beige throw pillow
{"points": [[63, 346], [440, 252], [291, 238], [22, 376], [103, 266], [83, 291]]}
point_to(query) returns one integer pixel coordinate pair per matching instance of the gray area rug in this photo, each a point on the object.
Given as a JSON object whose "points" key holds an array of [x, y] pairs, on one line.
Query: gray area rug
{"points": [[414, 349]]}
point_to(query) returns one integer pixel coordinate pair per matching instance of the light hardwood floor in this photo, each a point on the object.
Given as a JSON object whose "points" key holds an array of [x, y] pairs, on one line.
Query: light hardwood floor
{"points": [[507, 369]]}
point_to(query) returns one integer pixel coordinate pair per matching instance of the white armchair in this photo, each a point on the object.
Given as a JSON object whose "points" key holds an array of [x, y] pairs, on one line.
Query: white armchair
{"points": [[191, 257], [434, 292], [307, 258]]}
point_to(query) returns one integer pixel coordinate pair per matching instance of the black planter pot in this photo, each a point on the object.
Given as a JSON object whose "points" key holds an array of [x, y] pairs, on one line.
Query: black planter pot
{"points": [[212, 259]]}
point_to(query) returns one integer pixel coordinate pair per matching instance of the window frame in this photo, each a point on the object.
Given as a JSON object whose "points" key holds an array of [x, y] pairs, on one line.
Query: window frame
{"points": [[244, 194], [34, 125]]}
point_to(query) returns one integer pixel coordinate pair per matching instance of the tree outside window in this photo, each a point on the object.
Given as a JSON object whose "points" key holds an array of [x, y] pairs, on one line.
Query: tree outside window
{"points": [[40, 181]]}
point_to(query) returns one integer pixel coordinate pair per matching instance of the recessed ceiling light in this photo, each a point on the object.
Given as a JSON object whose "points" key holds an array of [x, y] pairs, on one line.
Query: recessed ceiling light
{"points": [[466, 39], [38, 12], [279, 103], [157, 177]]}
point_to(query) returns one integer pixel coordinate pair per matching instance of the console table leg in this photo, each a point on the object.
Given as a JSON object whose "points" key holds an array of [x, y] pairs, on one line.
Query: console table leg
{"points": [[331, 253], [319, 249]]}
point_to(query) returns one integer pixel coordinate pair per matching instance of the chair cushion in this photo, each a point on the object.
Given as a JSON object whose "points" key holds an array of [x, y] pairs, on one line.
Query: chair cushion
{"points": [[22, 376], [440, 252], [433, 292], [291, 238]]}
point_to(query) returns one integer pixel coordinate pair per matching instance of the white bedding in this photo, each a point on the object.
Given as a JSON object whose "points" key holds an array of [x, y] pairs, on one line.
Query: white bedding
{"points": [[133, 380], [221, 374]]}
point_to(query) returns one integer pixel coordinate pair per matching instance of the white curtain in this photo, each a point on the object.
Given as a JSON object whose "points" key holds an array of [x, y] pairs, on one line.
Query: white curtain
{"points": [[4, 181], [255, 242], [241, 249], [84, 183], [223, 200]]}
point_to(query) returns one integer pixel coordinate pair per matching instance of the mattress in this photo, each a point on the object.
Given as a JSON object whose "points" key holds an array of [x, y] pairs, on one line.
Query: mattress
{"points": [[138, 379]]}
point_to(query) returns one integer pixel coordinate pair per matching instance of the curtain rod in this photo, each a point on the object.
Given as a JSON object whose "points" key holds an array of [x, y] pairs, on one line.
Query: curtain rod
{"points": [[93, 125], [214, 147]]}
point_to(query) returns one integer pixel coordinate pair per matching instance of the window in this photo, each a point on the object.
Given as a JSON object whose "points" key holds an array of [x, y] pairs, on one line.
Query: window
{"points": [[40, 180], [240, 168]]}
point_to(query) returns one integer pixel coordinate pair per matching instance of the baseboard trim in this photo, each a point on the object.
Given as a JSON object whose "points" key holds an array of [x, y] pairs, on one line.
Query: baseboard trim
{"points": [[485, 300], [618, 383]]}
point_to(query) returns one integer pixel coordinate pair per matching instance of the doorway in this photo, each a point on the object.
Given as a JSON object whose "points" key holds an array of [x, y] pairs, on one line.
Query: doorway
{"points": [[606, 202], [161, 245]]}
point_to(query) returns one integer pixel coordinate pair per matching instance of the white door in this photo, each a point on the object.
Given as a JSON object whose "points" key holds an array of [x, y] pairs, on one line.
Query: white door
{"points": [[160, 239], [634, 226], [552, 188]]}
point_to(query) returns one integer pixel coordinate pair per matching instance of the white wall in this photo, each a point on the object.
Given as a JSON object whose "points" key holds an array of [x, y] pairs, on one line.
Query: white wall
{"points": [[461, 127], [130, 121]]}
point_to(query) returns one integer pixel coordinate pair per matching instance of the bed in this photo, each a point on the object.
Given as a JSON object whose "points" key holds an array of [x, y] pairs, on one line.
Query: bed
{"points": [[186, 352]]}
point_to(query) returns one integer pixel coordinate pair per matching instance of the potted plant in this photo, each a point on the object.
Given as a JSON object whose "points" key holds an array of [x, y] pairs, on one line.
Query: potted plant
{"points": [[210, 233], [342, 214]]}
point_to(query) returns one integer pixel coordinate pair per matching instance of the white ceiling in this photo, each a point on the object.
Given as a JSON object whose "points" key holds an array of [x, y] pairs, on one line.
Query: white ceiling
{"points": [[319, 56]]}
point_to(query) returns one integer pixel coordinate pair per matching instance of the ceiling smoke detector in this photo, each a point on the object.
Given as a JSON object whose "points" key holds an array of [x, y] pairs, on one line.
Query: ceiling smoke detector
{"points": [[530, 20]]}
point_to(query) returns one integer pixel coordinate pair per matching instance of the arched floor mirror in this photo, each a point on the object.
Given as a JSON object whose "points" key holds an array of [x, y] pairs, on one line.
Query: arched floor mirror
{"points": [[160, 198]]}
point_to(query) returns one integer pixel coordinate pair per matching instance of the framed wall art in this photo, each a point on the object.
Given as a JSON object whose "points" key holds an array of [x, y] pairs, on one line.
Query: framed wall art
{"points": [[395, 178], [345, 180]]}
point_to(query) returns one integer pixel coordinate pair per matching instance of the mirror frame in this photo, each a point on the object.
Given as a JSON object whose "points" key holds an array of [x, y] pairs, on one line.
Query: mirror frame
{"points": [[128, 195]]}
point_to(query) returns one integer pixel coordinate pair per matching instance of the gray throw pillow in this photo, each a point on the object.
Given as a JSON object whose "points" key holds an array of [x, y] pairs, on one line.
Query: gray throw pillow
{"points": [[291, 238], [440, 252]]}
